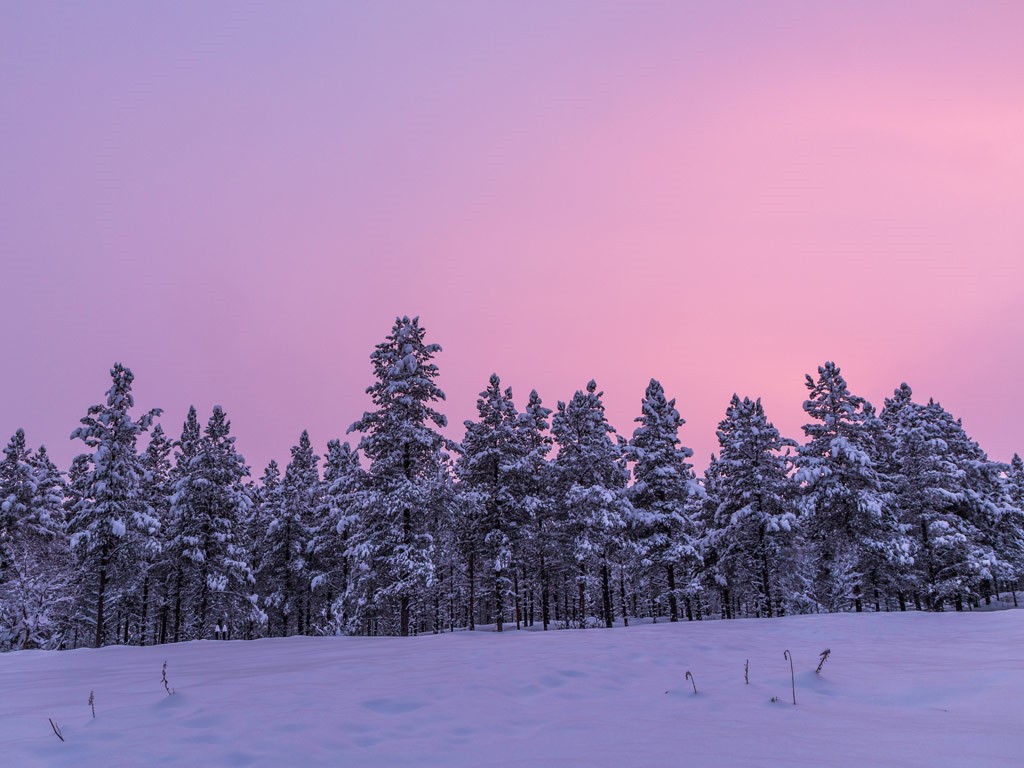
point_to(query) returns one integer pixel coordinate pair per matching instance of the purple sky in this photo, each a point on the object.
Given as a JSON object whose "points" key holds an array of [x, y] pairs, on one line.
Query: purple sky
{"points": [[236, 199]]}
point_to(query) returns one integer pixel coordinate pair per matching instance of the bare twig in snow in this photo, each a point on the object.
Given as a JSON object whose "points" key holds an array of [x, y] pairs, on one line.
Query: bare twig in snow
{"points": [[824, 658], [163, 679], [56, 730], [689, 676], [792, 675]]}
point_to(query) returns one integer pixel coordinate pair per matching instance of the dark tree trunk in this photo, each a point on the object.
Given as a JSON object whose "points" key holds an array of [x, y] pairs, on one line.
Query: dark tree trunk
{"points": [[515, 590], [606, 595], [177, 604], [101, 593], [582, 596], [472, 591], [545, 595], [765, 581], [622, 595], [673, 603], [499, 606], [143, 623]]}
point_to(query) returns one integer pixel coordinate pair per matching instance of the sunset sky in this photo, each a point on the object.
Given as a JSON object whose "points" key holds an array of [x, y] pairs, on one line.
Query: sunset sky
{"points": [[236, 200]]}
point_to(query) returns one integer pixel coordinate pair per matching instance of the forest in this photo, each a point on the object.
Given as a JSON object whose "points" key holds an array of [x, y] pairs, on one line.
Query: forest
{"points": [[541, 517]]}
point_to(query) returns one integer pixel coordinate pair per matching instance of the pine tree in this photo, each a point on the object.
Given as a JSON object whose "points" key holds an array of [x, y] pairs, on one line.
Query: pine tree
{"points": [[344, 482], [591, 480], [111, 526], [34, 555], [952, 500], [284, 542], [491, 452], [662, 530], [1014, 522], [393, 545], [533, 488], [753, 527], [187, 447], [855, 534], [209, 503], [156, 491]]}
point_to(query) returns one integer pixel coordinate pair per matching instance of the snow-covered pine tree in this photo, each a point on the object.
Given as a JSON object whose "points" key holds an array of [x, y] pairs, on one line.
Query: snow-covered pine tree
{"points": [[661, 528], [491, 452], [267, 501], [753, 528], [111, 526], [209, 501], [1014, 480], [855, 534], [186, 448], [284, 577], [392, 548], [591, 483], [344, 482], [156, 491], [35, 576], [953, 502], [533, 489], [716, 576]]}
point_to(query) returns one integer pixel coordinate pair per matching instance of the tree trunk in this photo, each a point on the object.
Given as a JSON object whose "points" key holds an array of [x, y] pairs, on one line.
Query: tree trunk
{"points": [[515, 590], [765, 581], [545, 595], [472, 591], [606, 595], [101, 596], [177, 604], [582, 596], [622, 595], [673, 604], [499, 607], [145, 610]]}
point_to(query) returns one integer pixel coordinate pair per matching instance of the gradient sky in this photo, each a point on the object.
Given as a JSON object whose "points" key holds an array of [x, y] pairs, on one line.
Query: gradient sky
{"points": [[236, 199]]}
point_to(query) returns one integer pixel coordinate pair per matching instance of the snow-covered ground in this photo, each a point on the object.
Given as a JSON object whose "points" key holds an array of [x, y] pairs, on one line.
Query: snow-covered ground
{"points": [[911, 689]]}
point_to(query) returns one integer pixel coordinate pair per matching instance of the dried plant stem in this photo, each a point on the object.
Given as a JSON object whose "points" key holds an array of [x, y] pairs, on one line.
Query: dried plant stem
{"points": [[689, 676], [56, 730], [824, 658], [746, 672], [792, 675], [163, 679], [92, 704]]}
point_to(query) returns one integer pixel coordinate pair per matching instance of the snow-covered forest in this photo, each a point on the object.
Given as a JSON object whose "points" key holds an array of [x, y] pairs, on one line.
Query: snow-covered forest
{"points": [[541, 517]]}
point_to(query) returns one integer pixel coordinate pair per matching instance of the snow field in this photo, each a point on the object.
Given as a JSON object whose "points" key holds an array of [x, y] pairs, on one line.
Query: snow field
{"points": [[912, 689]]}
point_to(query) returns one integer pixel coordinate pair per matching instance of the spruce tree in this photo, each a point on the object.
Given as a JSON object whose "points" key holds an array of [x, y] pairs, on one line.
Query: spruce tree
{"points": [[111, 526], [753, 528], [35, 576], [491, 452], [591, 481], [662, 530], [393, 544], [851, 525], [284, 543], [533, 488], [157, 577], [209, 503], [344, 482]]}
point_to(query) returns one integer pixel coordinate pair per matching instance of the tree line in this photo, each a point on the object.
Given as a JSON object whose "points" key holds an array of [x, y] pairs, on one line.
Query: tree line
{"points": [[539, 517]]}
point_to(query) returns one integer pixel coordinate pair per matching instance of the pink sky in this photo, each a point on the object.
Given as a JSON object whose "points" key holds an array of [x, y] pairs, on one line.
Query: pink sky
{"points": [[236, 199]]}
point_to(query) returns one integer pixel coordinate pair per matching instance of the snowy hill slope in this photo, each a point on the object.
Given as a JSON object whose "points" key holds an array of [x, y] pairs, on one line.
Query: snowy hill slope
{"points": [[909, 689]]}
